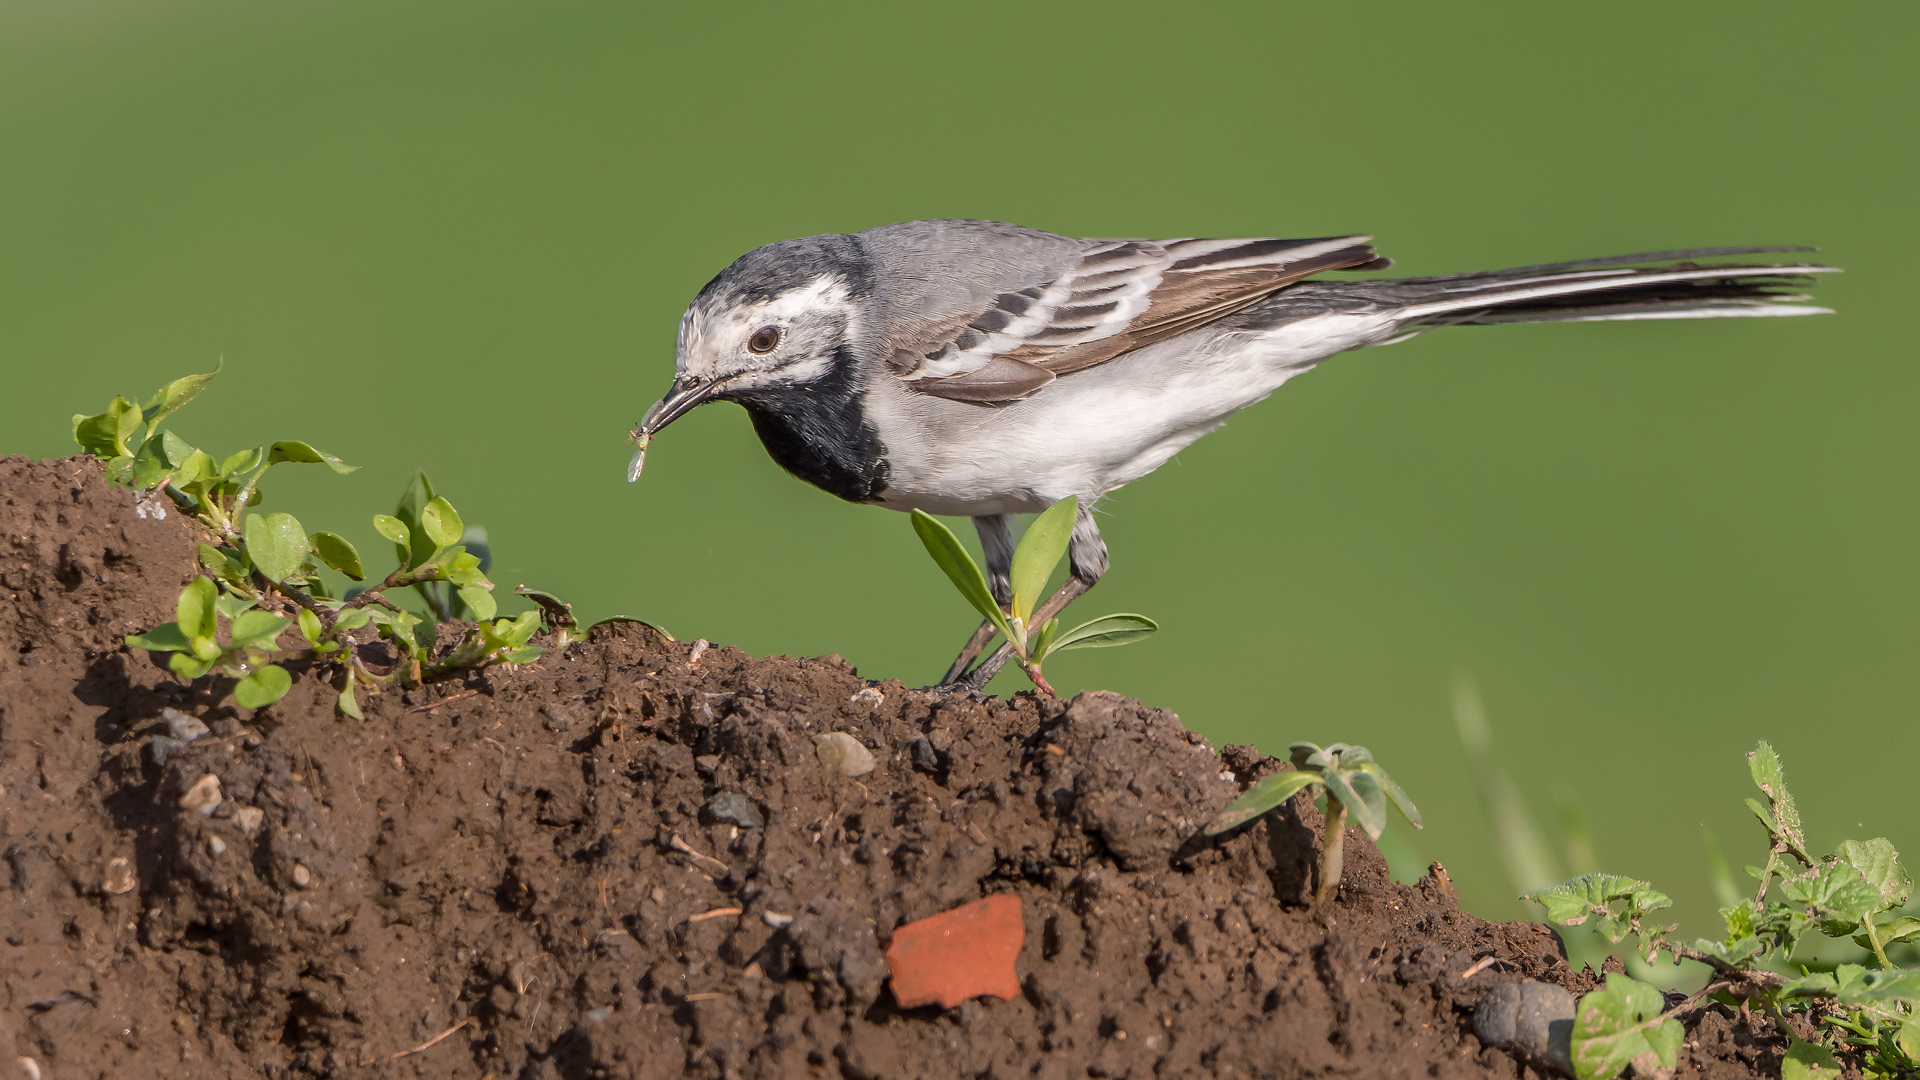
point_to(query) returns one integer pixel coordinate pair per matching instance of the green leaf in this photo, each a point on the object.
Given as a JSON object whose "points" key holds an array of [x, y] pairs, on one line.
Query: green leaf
{"points": [[150, 467], [442, 523], [1393, 792], [611, 619], [1041, 645], [1771, 779], [1264, 796], [1306, 755], [516, 631], [1039, 552], [1808, 1061], [1904, 928], [412, 501], [1834, 894], [1362, 797], [195, 610], [310, 627], [1618, 1023], [960, 569], [1879, 865], [258, 629], [526, 654], [215, 562], [277, 544], [188, 666], [347, 705], [193, 468], [352, 619], [303, 454], [167, 637], [1854, 985], [557, 614], [265, 686], [479, 601], [1908, 1040], [241, 462], [395, 530], [168, 399], [106, 435], [335, 551], [1570, 903], [231, 606], [1106, 632]]}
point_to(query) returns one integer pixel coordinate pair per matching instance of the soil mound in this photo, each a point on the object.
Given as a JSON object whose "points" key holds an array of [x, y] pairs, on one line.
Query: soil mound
{"points": [[561, 863]]}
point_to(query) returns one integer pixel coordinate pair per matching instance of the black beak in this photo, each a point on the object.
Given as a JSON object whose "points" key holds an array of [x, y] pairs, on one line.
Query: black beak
{"points": [[682, 397]]}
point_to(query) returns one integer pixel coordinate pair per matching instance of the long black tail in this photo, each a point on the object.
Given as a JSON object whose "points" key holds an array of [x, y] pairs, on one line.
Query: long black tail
{"points": [[1653, 285]]}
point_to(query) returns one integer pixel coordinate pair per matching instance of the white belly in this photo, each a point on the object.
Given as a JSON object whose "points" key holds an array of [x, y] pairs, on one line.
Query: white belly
{"points": [[1095, 430]]}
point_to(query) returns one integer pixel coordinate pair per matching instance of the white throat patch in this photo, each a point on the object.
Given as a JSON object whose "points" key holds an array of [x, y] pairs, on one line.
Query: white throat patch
{"points": [[812, 320]]}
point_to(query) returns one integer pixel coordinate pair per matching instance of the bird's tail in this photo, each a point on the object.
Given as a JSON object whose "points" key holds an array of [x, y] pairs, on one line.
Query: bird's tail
{"points": [[1653, 285]]}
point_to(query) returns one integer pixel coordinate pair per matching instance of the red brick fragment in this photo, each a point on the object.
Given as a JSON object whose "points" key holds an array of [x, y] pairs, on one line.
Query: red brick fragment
{"points": [[958, 954]]}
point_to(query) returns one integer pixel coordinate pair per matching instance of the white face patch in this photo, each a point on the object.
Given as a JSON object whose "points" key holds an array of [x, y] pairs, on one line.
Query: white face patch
{"points": [[812, 321]]}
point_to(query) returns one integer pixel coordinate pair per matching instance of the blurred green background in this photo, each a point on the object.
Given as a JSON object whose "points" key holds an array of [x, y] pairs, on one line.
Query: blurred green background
{"points": [[460, 235]]}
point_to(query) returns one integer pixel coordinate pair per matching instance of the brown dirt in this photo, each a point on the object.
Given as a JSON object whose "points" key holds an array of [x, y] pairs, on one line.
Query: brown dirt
{"points": [[499, 852]]}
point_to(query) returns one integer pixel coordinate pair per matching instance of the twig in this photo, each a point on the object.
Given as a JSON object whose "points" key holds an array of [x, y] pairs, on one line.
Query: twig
{"points": [[714, 914], [1695, 999], [1479, 966], [682, 846], [706, 996], [397, 1055], [443, 701]]}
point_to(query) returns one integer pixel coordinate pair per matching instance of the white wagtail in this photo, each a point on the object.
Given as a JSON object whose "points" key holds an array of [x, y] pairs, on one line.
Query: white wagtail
{"points": [[981, 369]]}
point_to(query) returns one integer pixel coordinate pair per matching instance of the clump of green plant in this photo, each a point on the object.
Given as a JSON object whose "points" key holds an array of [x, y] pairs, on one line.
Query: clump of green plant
{"points": [[1034, 560], [1853, 894], [1354, 784], [256, 559]]}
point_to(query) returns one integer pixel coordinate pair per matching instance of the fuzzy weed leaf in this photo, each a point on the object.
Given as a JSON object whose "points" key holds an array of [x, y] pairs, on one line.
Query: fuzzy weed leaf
{"points": [[1615, 903], [1879, 864], [1039, 552], [268, 684], [1614, 1025], [1854, 985], [1835, 895], [1781, 816], [1264, 796]]}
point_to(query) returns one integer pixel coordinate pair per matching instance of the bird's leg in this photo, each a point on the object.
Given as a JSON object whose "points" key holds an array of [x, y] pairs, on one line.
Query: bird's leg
{"points": [[1086, 562], [996, 540]]}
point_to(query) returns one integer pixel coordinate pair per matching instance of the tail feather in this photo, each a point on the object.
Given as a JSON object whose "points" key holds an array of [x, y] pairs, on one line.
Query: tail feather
{"points": [[1582, 292]]}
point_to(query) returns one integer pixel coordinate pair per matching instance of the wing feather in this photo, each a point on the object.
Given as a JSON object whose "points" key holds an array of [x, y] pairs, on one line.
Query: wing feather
{"points": [[1120, 295]]}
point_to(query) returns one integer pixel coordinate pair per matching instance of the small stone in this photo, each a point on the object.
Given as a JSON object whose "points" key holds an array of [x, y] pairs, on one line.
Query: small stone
{"points": [[706, 764], [249, 818], [776, 920], [841, 753], [203, 796], [599, 1015], [869, 698], [119, 876], [216, 845], [185, 728], [1531, 1018], [925, 757], [734, 809], [163, 745], [302, 877]]}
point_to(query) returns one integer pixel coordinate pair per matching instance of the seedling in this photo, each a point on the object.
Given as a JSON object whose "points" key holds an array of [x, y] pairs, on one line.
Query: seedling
{"points": [[254, 559], [1034, 560], [1870, 1011], [1355, 784]]}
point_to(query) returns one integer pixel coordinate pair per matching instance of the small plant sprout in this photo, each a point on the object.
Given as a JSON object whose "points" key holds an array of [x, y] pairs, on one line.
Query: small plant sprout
{"points": [[1355, 784], [1853, 894], [1040, 550], [253, 561]]}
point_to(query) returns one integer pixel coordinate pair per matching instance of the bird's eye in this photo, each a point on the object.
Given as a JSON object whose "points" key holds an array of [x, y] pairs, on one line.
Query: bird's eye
{"points": [[764, 340]]}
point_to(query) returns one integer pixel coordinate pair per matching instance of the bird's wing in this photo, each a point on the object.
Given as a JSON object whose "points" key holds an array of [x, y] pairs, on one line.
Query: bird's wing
{"points": [[1118, 296]]}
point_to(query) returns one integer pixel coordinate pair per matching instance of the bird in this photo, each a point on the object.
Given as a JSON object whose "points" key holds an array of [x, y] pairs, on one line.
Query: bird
{"points": [[981, 369]]}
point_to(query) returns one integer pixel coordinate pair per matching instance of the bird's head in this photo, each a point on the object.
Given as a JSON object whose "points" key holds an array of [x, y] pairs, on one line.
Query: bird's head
{"points": [[777, 319]]}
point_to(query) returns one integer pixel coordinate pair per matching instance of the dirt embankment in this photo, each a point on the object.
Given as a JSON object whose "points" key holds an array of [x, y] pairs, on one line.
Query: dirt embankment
{"points": [[541, 856]]}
